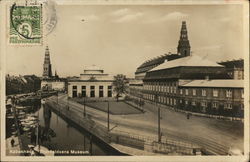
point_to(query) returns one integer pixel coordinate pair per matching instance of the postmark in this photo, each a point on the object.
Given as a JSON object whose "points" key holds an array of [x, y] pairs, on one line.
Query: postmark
{"points": [[25, 24], [50, 17]]}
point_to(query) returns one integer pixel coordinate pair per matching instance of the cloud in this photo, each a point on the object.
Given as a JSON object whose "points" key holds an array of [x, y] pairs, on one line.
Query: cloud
{"points": [[129, 17], [120, 12], [169, 16]]}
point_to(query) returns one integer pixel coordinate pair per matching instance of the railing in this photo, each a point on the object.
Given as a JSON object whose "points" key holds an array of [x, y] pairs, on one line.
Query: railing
{"points": [[77, 116]]}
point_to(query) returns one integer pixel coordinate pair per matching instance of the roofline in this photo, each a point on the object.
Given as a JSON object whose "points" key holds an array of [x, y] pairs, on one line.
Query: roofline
{"points": [[90, 81], [95, 74], [219, 66], [209, 86]]}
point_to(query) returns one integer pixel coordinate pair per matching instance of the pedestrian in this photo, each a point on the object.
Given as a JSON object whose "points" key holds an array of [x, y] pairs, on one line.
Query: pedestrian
{"points": [[12, 142], [187, 115]]}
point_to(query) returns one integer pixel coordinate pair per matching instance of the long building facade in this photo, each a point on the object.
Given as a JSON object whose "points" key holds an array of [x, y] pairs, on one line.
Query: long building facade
{"points": [[219, 97], [194, 87]]}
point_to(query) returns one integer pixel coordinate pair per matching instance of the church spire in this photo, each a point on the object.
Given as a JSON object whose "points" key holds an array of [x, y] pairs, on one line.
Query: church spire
{"points": [[183, 46], [47, 72], [56, 76]]}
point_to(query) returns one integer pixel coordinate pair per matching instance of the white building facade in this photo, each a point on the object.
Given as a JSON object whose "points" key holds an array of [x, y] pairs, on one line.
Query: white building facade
{"points": [[51, 84], [93, 83]]}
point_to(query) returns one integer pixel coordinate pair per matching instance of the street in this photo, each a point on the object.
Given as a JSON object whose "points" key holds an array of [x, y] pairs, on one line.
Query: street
{"points": [[217, 135]]}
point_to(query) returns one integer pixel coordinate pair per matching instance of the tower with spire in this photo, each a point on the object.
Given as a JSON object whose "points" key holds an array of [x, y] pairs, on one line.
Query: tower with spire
{"points": [[183, 48], [47, 72]]}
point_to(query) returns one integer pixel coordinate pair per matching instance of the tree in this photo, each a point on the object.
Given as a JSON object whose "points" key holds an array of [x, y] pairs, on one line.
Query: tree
{"points": [[120, 85]]}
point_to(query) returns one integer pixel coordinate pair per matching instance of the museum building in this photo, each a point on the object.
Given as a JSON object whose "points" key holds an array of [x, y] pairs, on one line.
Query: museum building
{"points": [[93, 83]]}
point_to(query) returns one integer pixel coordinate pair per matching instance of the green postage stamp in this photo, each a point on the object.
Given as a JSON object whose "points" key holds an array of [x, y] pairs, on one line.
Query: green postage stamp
{"points": [[25, 25]]}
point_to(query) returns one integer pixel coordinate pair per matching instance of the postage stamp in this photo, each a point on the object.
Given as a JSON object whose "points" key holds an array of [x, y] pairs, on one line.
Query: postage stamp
{"points": [[25, 25]]}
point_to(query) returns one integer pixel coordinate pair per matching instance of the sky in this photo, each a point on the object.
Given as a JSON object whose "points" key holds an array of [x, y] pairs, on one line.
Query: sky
{"points": [[118, 38]]}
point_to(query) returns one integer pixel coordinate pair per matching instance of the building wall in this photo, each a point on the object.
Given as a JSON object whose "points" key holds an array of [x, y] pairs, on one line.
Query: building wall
{"points": [[136, 90], [224, 98], [79, 85], [170, 93], [54, 85]]}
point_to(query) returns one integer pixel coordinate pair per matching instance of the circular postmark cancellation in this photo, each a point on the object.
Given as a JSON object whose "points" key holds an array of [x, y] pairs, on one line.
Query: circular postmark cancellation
{"points": [[50, 17], [25, 24]]}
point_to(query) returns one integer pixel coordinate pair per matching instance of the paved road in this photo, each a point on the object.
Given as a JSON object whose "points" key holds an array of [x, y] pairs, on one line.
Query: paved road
{"points": [[216, 135]]}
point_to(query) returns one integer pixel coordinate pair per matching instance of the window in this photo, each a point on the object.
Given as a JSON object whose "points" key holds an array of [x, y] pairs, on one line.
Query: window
{"points": [[74, 91], [181, 101], [167, 100], [83, 91], [174, 101], [193, 103], [92, 91], [171, 101], [228, 93], [215, 104], [228, 106], [204, 104], [171, 89], [215, 93], [194, 92], [186, 91], [168, 89], [174, 90], [186, 102], [203, 92], [109, 91], [100, 91], [181, 91], [242, 93]]}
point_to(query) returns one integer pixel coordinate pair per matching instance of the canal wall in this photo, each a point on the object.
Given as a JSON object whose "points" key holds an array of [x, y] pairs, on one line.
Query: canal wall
{"points": [[100, 132], [96, 132]]}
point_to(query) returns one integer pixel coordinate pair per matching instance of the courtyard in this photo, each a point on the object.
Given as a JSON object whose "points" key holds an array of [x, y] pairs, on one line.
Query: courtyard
{"points": [[115, 108]]}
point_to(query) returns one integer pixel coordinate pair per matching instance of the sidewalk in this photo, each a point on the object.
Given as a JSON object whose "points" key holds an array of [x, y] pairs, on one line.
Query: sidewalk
{"points": [[15, 150]]}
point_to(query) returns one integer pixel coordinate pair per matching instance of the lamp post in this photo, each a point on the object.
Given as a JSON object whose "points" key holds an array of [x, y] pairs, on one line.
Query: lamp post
{"points": [[84, 108], [108, 117], [159, 118], [68, 102]]}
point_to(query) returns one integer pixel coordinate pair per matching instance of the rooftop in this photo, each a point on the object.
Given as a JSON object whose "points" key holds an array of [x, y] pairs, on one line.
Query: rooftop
{"points": [[193, 60], [215, 83], [93, 69]]}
